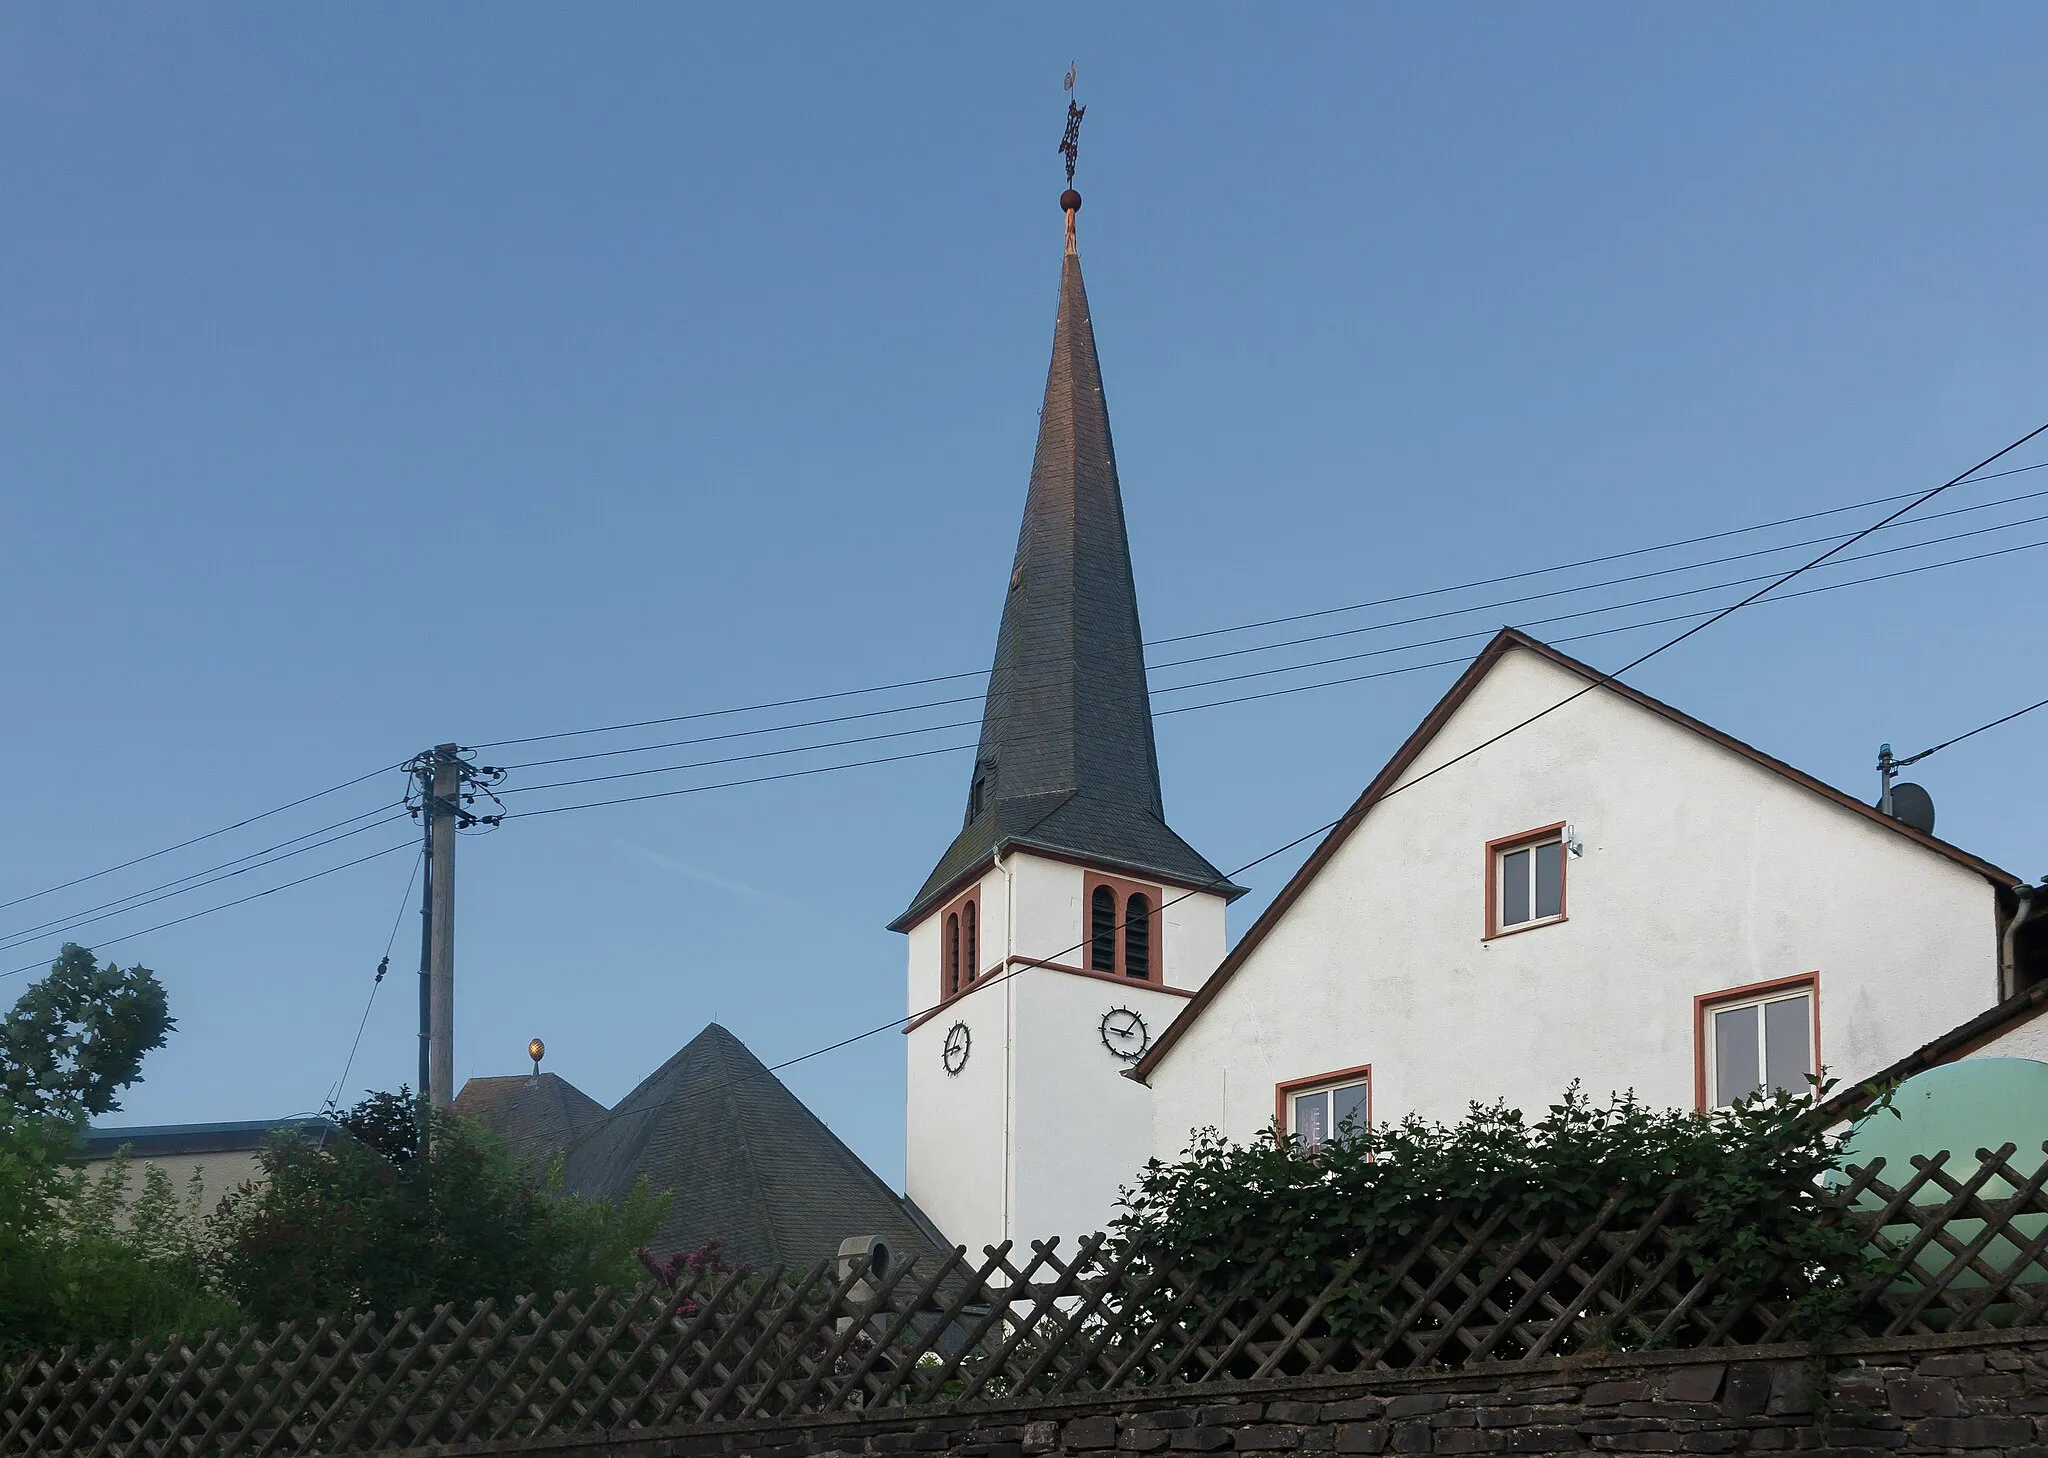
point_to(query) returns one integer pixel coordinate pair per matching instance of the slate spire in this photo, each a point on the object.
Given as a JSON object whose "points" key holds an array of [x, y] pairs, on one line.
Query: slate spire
{"points": [[1066, 761]]}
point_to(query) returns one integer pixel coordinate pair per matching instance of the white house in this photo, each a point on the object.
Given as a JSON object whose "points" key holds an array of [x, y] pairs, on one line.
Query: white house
{"points": [[1615, 893]]}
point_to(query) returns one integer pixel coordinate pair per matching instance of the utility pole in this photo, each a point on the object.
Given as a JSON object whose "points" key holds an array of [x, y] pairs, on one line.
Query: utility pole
{"points": [[443, 777], [426, 813], [446, 799]]}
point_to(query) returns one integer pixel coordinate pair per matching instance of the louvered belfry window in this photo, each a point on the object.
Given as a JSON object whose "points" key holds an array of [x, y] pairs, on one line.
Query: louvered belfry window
{"points": [[971, 918], [952, 954], [1138, 937], [1102, 930]]}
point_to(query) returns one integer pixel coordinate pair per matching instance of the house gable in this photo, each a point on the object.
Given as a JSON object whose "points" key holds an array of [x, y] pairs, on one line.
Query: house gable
{"points": [[1482, 707]]}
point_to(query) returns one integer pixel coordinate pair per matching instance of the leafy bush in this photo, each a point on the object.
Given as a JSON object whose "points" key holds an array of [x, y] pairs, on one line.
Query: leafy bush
{"points": [[1745, 1182], [108, 1268], [367, 1222]]}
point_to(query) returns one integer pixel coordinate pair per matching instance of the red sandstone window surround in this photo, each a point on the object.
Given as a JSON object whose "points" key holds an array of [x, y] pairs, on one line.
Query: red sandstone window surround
{"points": [[1125, 935], [960, 945]]}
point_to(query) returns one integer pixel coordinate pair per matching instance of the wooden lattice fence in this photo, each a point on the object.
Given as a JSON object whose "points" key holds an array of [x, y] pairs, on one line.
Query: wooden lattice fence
{"points": [[734, 1346]]}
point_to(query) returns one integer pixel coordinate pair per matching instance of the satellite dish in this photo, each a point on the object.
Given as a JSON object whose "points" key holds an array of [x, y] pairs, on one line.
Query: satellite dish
{"points": [[1914, 806]]}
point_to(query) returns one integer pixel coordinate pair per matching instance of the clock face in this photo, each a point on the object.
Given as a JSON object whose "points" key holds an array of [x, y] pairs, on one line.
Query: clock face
{"points": [[954, 1054], [1125, 1035]]}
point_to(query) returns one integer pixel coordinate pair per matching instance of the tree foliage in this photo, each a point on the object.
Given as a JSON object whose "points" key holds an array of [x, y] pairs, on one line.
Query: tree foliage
{"points": [[76, 1038], [1746, 1181], [368, 1221]]}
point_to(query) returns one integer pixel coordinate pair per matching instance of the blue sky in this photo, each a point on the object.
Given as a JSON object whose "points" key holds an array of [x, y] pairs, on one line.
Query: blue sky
{"points": [[381, 377]]}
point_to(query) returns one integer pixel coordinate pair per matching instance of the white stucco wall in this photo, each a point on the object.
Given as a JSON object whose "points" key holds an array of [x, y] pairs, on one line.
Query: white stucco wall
{"points": [[1081, 1129], [1038, 1133], [1702, 871]]}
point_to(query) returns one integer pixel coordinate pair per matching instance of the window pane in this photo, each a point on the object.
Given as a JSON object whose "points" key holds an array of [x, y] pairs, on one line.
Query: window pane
{"points": [[1347, 1109], [1312, 1117], [1735, 1063], [1514, 888], [1788, 1043], [1550, 879]]}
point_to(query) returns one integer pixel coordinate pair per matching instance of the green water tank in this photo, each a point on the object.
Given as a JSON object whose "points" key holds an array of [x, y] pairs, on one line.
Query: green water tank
{"points": [[1971, 1104]]}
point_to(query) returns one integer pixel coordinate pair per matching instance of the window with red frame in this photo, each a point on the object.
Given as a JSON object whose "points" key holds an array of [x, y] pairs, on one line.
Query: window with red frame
{"points": [[1758, 1042], [1330, 1106], [1525, 881]]}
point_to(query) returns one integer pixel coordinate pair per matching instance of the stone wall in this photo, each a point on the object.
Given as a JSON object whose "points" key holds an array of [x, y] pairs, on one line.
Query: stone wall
{"points": [[1980, 1393]]}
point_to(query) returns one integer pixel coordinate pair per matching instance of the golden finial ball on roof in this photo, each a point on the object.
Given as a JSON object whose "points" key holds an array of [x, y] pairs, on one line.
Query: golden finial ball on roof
{"points": [[536, 1050], [1070, 201]]}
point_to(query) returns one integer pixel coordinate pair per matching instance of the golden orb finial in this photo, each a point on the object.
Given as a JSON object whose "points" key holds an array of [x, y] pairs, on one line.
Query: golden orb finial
{"points": [[536, 1050]]}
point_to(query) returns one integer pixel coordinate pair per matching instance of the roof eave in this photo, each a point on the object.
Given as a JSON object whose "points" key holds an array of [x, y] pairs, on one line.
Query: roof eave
{"points": [[1223, 886]]}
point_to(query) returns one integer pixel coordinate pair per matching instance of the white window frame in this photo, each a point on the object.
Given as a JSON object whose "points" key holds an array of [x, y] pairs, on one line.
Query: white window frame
{"points": [[1710, 1008], [1292, 1091]]}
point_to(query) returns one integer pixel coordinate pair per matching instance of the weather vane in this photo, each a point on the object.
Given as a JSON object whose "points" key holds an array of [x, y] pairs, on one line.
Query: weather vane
{"points": [[1070, 144]]}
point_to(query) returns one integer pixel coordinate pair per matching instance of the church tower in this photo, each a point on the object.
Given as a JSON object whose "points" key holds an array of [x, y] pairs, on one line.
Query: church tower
{"points": [[1066, 924]]}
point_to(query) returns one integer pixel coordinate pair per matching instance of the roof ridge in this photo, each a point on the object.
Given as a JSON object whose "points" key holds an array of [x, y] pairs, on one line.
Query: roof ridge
{"points": [[757, 1195]]}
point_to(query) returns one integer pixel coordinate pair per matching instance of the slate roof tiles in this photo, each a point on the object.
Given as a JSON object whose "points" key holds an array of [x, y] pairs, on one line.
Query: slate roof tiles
{"points": [[1067, 761]]}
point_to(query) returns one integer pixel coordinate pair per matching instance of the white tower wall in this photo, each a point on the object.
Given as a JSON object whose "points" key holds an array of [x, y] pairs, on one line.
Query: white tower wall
{"points": [[1039, 1131]]}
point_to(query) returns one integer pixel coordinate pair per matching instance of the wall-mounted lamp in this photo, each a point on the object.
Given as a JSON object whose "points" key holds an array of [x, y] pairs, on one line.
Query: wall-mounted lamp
{"points": [[1574, 847]]}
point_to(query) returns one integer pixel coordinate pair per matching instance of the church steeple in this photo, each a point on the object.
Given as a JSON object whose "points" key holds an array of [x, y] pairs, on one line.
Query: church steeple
{"points": [[1066, 762]]}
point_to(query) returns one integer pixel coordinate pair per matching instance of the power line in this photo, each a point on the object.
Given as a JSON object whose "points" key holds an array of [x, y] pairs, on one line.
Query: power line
{"points": [[1583, 562], [919, 754], [735, 784], [1971, 734], [1288, 668], [1241, 627], [1711, 616], [954, 677], [1599, 682], [1582, 637], [119, 902], [957, 748], [383, 966], [1608, 608], [1618, 582], [812, 771], [195, 840], [1296, 642], [137, 897], [64, 925], [406, 844], [1736, 607]]}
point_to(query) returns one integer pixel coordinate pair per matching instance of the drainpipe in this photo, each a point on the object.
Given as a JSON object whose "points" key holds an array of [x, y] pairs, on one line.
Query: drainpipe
{"points": [[2030, 901]]}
